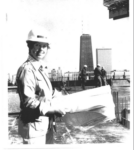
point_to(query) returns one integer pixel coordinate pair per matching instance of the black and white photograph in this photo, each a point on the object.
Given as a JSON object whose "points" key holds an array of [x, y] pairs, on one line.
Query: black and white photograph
{"points": [[67, 73]]}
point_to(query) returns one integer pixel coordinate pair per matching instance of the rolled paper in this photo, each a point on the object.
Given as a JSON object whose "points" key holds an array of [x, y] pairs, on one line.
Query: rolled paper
{"points": [[97, 100]]}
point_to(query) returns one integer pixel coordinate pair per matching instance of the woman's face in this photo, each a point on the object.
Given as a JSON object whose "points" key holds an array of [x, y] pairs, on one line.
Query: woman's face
{"points": [[39, 50]]}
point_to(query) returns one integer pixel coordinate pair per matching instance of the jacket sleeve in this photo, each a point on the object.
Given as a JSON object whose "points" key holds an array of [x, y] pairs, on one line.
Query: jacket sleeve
{"points": [[27, 88]]}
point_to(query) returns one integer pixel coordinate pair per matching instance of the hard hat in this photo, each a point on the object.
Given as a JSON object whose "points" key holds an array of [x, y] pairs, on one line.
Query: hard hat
{"points": [[37, 36], [98, 65], [85, 66]]}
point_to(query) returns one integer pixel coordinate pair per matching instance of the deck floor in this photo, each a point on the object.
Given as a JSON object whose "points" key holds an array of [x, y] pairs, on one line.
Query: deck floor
{"points": [[108, 132]]}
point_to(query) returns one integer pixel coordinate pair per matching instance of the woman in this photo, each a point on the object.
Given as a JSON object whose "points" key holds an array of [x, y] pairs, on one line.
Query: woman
{"points": [[35, 91]]}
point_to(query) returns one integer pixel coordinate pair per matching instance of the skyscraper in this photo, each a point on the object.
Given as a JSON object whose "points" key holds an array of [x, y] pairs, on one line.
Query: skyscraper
{"points": [[86, 57], [104, 58]]}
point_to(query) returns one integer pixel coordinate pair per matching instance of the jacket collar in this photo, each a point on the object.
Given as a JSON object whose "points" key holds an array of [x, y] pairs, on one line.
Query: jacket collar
{"points": [[36, 64]]}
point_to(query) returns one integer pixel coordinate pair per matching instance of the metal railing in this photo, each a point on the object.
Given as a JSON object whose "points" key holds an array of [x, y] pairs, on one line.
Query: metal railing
{"points": [[74, 76], [120, 74]]}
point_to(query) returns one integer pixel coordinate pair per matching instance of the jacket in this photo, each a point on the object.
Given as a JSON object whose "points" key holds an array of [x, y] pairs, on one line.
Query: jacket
{"points": [[35, 91], [104, 73], [83, 74], [97, 72]]}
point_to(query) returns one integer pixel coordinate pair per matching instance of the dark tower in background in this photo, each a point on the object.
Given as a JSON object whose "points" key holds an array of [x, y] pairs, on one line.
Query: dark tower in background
{"points": [[86, 56]]}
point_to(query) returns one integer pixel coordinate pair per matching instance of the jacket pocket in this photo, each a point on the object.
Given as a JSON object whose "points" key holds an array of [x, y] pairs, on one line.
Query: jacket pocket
{"points": [[33, 129]]}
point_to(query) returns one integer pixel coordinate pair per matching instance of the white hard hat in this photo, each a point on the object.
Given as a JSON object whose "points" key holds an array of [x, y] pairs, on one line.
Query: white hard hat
{"points": [[37, 36], [98, 65], [85, 66]]}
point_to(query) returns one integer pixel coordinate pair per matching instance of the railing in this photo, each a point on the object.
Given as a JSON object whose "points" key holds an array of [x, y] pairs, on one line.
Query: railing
{"points": [[74, 76], [120, 74]]}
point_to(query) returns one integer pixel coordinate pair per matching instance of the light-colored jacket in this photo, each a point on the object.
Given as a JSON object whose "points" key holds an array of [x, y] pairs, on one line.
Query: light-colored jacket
{"points": [[35, 89]]}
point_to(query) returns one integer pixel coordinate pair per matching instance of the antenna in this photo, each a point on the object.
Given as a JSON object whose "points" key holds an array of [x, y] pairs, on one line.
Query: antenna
{"points": [[82, 25], [6, 17]]}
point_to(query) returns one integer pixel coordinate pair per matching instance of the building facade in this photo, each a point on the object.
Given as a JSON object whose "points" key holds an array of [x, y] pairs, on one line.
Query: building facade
{"points": [[86, 56], [104, 58]]}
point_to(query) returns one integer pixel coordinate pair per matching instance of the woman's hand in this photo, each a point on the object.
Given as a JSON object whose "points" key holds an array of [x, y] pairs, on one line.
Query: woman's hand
{"points": [[46, 107]]}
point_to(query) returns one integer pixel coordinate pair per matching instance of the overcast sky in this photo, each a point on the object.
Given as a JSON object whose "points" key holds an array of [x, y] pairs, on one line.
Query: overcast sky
{"points": [[65, 21]]}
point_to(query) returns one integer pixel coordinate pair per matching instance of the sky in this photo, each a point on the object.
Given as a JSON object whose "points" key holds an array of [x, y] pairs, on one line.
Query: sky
{"points": [[65, 21]]}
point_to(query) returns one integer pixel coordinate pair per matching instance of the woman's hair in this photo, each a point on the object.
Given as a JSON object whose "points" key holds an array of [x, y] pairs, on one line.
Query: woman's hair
{"points": [[30, 44]]}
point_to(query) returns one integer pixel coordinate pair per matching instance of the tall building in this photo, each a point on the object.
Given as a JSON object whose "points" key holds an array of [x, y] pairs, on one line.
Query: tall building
{"points": [[104, 58], [86, 56]]}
